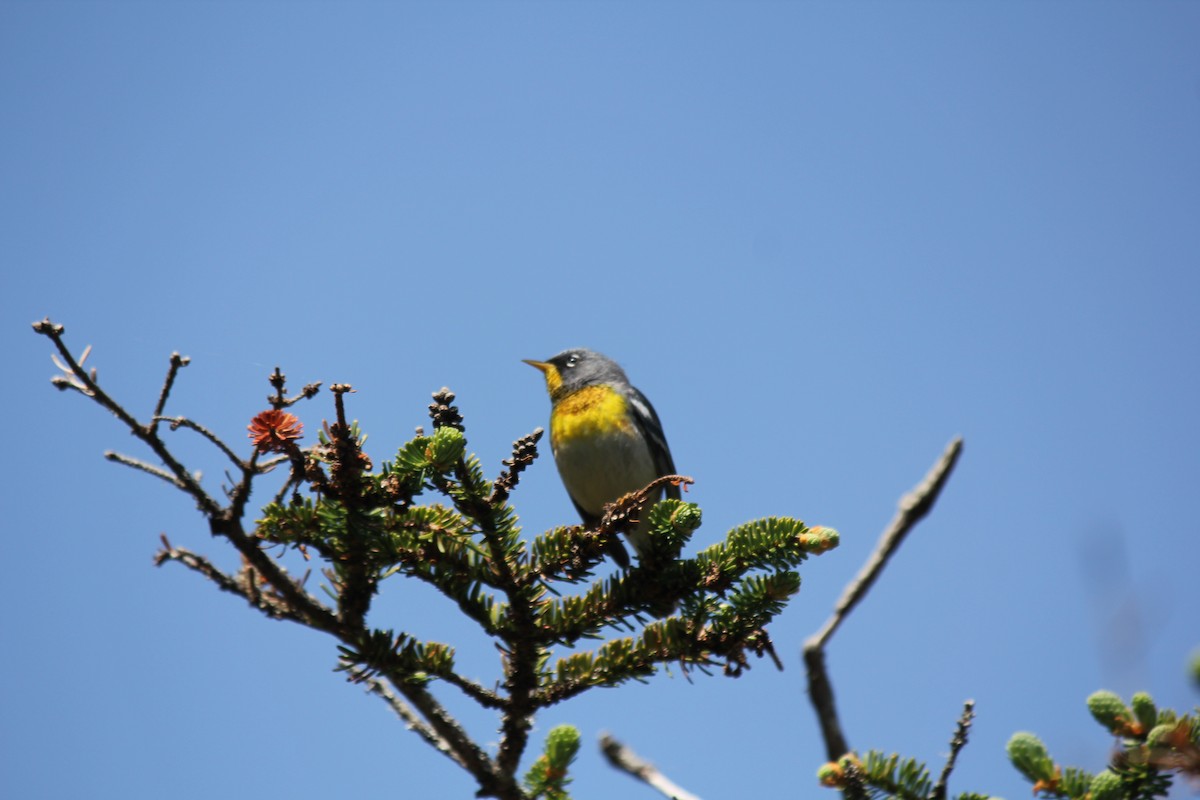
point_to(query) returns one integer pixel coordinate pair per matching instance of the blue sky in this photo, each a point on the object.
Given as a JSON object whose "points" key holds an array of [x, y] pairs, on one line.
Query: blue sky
{"points": [[823, 238]]}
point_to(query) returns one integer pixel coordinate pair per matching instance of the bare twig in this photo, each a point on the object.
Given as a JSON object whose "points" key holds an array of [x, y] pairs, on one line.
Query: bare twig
{"points": [[137, 463], [412, 720], [184, 422], [86, 383], [493, 782], [199, 563], [957, 743], [293, 482], [485, 697], [271, 463], [244, 585], [278, 381], [820, 694], [912, 509], [624, 759], [304, 607], [177, 363]]}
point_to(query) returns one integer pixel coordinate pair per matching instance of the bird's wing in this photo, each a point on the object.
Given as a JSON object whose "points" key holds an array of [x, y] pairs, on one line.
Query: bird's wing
{"points": [[651, 428]]}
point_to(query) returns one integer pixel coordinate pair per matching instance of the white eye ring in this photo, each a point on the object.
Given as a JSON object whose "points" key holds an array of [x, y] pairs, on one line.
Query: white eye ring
{"points": [[571, 361]]}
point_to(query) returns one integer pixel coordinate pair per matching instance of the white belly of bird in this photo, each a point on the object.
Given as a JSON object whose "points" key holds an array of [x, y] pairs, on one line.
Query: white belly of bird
{"points": [[604, 468]]}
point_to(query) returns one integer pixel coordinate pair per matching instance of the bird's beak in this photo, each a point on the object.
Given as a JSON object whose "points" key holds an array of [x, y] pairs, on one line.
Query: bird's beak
{"points": [[538, 365], [553, 379]]}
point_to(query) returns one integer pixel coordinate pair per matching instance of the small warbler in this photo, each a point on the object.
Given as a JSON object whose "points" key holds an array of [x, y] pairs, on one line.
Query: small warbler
{"points": [[606, 438]]}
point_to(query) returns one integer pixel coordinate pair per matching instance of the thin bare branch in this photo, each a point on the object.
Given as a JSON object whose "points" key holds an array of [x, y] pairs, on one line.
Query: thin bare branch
{"points": [[485, 697], [308, 392], [184, 422], [178, 362], [278, 382], [913, 507], [199, 563], [493, 782], [270, 464], [136, 463], [957, 743], [85, 381], [306, 608], [407, 714], [624, 759], [64, 382], [291, 483], [244, 585], [820, 694]]}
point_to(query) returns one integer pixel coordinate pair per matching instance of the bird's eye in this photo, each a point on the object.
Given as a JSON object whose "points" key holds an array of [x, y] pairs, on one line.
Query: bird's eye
{"points": [[571, 361]]}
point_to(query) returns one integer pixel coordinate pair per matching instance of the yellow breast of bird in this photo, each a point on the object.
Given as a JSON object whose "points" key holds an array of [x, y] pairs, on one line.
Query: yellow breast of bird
{"points": [[599, 451]]}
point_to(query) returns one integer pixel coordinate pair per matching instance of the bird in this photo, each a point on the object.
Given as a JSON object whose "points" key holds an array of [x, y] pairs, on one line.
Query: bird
{"points": [[606, 438]]}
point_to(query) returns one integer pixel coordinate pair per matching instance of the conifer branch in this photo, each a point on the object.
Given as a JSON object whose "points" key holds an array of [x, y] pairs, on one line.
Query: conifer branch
{"points": [[484, 505], [521, 666]]}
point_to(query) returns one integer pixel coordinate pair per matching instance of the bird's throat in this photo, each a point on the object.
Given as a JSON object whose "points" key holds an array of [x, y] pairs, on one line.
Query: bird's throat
{"points": [[588, 412]]}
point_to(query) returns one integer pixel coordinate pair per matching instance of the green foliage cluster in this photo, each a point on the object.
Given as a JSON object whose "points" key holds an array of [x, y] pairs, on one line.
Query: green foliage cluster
{"points": [[431, 514], [880, 776], [1154, 745], [548, 776], [708, 610]]}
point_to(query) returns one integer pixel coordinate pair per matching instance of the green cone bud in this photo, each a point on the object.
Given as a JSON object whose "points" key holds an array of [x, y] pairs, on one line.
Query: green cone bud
{"points": [[562, 744], [1029, 756], [830, 774], [686, 517], [445, 448], [1106, 786], [1110, 711], [819, 539], [1143, 710], [1158, 732]]}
